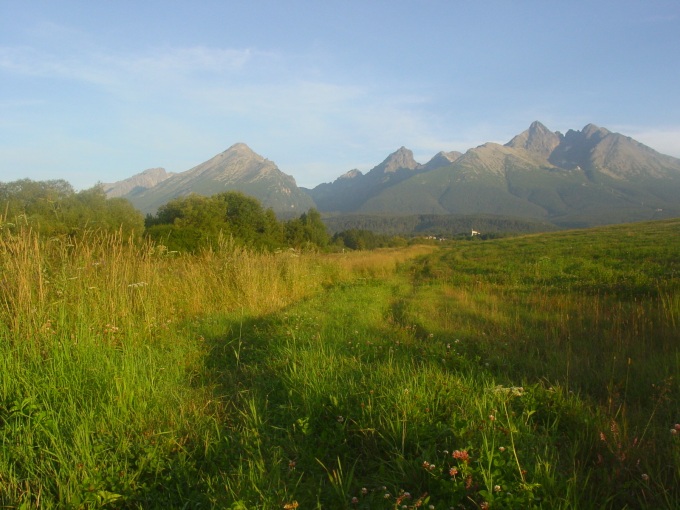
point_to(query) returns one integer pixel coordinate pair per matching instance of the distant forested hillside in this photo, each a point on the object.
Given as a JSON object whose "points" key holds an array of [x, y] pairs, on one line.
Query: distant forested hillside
{"points": [[446, 225]]}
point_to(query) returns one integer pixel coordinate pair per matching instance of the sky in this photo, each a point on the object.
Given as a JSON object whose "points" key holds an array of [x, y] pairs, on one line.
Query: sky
{"points": [[99, 91]]}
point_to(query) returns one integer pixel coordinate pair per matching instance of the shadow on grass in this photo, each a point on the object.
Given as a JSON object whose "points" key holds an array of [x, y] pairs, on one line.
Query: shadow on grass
{"points": [[274, 443]]}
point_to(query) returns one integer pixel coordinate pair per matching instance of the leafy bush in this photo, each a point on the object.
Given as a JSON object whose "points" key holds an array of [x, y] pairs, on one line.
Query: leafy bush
{"points": [[53, 208], [196, 222]]}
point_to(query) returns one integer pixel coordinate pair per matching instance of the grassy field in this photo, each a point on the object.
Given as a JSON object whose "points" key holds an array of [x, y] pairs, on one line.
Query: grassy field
{"points": [[534, 372]]}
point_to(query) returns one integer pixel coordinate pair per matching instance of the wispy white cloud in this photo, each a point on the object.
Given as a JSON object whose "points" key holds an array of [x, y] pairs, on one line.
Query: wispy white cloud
{"points": [[291, 100], [27, 61], [110, 69], [187, 60], [166, 97]]}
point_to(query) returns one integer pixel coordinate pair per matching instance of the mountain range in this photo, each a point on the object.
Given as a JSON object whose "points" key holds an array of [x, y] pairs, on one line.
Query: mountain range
{"points": [[236, 169], [581, 178]]}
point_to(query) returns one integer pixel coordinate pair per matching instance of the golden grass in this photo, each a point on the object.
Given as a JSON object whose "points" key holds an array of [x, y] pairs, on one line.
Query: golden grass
{"points": [[104, 283], [377, 263]]}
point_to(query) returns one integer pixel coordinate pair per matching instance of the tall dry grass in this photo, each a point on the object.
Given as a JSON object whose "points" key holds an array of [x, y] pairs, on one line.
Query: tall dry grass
{"points": [[102, 281], [377, 263]]}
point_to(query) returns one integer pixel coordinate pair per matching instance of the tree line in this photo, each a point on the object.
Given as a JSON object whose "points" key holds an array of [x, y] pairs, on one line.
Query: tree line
{"points": [[449, 226], [185, 224]]}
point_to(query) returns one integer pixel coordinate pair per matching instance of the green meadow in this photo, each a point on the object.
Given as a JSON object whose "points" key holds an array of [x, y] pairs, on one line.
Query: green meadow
{"points": [[539, 371]]}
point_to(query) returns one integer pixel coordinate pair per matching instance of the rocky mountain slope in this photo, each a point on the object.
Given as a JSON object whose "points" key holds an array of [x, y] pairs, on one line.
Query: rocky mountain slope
{"points": [[586, 177], [236, 169], [349, 192], [137, 183], [581, 178]]}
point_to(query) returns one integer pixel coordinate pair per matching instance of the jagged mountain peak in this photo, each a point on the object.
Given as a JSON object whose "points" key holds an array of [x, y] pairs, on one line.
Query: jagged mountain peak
{"points": [[155, 172], [590, 134], [538, 139], [238, 168], [239, 146], [401, 158], [442, 159], [538, 126], [448, 156], [581, 149], [591, 130], [352, 174], [240, 150], [591, 175]]}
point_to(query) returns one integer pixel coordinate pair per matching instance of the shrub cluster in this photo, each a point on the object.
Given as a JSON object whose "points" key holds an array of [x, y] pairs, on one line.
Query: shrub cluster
{"points": [[54, 208]]}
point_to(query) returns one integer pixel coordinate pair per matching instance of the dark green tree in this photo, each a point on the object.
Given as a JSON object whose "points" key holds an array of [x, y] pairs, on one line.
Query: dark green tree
{"points": [[308, 230], [359, 239], [195, 222]]}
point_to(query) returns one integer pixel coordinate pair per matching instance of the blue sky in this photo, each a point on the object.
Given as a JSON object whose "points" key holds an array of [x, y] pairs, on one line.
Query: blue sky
{"points": [[99, 91]]}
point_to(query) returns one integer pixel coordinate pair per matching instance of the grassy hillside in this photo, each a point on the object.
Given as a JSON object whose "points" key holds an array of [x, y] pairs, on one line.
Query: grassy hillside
{"points": [[535, 372]]}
